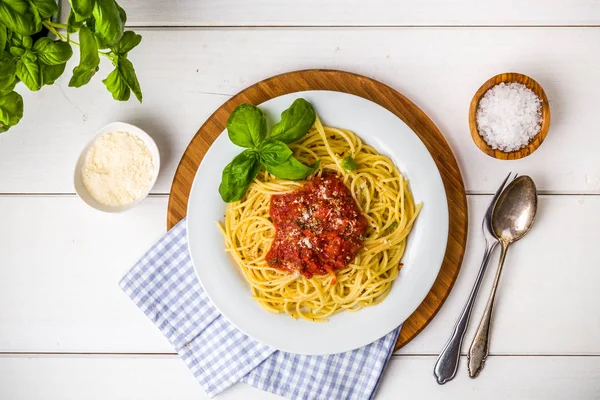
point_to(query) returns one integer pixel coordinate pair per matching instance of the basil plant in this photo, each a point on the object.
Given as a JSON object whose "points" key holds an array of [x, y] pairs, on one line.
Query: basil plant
{"points": [[29, 56]]}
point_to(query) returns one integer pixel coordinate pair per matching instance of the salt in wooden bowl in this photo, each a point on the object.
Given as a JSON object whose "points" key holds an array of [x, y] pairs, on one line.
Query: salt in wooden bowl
{"points": [[537, 139]]}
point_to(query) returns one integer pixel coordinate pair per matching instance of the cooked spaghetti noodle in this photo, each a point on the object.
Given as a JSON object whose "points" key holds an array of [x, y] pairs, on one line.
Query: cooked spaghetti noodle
{"points": [[381, 193]]}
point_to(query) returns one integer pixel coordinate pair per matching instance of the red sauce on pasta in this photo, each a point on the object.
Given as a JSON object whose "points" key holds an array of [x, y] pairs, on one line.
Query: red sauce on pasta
{"points": [[319, 228]]}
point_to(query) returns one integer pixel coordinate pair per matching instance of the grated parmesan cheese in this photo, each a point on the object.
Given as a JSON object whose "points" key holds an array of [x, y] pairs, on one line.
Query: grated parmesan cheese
{"points": [[117, 169]]}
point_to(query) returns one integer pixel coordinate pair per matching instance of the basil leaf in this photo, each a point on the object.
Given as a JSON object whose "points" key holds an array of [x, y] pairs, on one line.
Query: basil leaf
{"points": [[89, 56], [17, 51], [11, 110], [117, 86], [295, 122], [17, 17], [50, 73], [45, 8], [109, 25], [349, 163], [238, 175], [73, 25], [127, 72], [122, 13], [37, 19], [21, 41], [128, 41], [28, 71], [274, 152], [291, 169], [8, 73], [52, 53], [82, 76], [83, 8], [3, 38], [89, 59], [247, 126]]}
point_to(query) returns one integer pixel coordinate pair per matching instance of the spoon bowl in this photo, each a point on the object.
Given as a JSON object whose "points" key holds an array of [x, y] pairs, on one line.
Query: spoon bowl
{"points": [[515, 210]]}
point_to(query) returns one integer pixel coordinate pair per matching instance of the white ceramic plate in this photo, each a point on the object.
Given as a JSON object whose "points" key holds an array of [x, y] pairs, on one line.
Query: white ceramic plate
{"points": [[345, 331]]}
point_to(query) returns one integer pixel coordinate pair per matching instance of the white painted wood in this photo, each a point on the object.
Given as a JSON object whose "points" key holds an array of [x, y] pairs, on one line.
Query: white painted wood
{"points": [[61, 262], [166, 377], [60, 266], [186, 74], [358, 12]]}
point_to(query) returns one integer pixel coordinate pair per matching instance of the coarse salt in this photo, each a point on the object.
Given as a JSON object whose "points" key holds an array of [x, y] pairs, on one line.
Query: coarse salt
{"points": [[509, 116]]}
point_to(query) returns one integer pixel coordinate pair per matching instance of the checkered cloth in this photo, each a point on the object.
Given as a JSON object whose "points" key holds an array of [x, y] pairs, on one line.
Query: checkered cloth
{"points": [[164, 286]]}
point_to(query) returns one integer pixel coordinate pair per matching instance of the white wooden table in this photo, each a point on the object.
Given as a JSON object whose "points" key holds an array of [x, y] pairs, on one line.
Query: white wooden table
{"points": [[67, 331]]}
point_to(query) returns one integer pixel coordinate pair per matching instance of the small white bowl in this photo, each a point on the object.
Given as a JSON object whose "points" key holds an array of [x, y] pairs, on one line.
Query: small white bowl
{"points": [[80, 188]]}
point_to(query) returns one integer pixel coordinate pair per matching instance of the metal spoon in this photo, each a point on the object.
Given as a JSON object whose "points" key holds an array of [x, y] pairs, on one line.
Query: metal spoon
{"points": [[512, 218], [447, 363]]}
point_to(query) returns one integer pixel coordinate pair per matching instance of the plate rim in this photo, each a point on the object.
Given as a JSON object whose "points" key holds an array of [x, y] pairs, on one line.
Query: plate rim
{"points": [[432, 274]]}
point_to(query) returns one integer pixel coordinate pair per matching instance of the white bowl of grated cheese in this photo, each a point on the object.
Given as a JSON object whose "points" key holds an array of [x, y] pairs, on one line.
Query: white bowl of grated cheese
{"points": [[117, 168]]}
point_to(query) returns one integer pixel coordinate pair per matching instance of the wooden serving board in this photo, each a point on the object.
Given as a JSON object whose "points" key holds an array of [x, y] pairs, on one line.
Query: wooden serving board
{"points": [[386, 97]]}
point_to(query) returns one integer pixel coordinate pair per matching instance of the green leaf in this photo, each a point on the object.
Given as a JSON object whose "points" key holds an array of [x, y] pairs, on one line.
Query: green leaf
{"points": [[52, 53], [349, 163], [28, 71], [17, 17], [109, 25], [238, 175], [247, 126], [122, 13], [11, 110], [3, 38], [128, 75], [82, 76], [117, 86], [295, 122], [274, 152], [74, 25], [46, 8], [83, 8], [89, 59], [50, 73], [21, 41], [89, 56], [16, 51], [37, 19], [128, 41], [291, 169], [8, 73]]}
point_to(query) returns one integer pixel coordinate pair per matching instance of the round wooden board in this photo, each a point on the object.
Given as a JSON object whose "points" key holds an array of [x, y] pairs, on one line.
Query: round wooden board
{"points": [[386, 97]]}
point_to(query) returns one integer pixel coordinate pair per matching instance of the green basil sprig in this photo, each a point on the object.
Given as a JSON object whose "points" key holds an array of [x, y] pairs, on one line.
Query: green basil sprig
{"points": [[29, 57], [247, 127], [349, 164]]}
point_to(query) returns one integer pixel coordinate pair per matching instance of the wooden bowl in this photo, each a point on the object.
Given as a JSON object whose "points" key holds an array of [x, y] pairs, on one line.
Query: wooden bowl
{"points": [[537, 139]]}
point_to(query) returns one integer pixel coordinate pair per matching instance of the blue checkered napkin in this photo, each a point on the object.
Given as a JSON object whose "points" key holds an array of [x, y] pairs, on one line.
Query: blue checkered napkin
{"points": [[164, 286]]}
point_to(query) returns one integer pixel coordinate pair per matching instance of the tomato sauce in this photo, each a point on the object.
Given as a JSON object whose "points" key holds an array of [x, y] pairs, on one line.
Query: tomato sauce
{"points": [[319, 228]]}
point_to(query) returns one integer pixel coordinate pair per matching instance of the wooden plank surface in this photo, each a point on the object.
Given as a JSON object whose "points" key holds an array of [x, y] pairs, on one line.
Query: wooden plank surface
{"points": [[61, 262], [166, 377], [199, 69], [359, 12]]}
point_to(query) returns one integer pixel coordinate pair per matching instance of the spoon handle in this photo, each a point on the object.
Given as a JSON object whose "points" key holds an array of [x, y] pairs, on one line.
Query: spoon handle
{"points": [[447, 363], [479, 349]]}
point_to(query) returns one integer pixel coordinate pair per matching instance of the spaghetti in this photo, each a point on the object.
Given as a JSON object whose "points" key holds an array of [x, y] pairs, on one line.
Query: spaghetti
{"points": [[385, 200]]}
